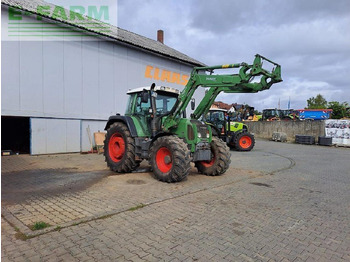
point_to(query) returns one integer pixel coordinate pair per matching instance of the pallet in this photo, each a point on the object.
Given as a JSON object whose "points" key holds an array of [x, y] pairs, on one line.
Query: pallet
{"points": [[304, 139], [325, 140]]}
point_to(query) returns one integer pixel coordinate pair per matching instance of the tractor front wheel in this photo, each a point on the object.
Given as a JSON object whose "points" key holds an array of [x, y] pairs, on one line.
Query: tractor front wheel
{"points": [[119, 149], [220, 161], [170, 159], [244, 141]]}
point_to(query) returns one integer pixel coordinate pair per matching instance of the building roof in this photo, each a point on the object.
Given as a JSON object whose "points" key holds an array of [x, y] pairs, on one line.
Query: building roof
{"points": [[115, 33], [222, 105]]}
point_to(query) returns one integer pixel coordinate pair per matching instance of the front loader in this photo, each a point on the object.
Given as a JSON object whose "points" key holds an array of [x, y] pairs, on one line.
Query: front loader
{"points": [[154, 127]]}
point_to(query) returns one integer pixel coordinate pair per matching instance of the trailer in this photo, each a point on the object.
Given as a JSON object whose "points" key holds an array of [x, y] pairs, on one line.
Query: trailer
{"points": [[314, 114]]}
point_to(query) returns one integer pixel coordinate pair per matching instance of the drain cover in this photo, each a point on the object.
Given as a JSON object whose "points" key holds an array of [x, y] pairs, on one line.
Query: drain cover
{"points": [[135, 182]]}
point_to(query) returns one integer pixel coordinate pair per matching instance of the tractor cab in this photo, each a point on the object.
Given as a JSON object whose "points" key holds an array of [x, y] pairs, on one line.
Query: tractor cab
{"points": [[139, 101], [139, 105], [217, 117]]}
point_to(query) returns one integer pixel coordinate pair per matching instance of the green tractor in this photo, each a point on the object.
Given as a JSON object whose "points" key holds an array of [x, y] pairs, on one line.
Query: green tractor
{"points": [[280, 114], [155, 128], [235, 134]]}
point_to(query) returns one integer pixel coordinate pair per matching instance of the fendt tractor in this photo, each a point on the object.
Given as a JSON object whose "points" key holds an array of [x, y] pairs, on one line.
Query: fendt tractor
{"points": [[235, 134], [156, 129]]}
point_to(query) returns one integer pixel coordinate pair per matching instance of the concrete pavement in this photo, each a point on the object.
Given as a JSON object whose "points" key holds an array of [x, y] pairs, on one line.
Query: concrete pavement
{"points": [[280, 202]]}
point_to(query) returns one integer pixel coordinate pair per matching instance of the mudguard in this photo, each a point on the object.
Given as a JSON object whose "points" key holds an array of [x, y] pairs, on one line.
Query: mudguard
{"points": [[124, 119]]}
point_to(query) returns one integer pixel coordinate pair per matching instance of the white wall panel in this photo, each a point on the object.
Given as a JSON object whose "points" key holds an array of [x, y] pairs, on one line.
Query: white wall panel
{"points": [[90, 79], [106, 84], [49, 136], [53, 65], [73, 133], [31, 76], [73, 79], [10, 77], [120, 78], [56, 135]]}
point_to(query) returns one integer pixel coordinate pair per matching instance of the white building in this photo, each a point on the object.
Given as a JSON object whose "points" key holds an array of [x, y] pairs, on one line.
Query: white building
{"points": [[56, 88]]}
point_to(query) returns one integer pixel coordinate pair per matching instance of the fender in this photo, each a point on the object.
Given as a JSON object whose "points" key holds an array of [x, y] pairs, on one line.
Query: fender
{"points": [[124, 119], [214, 129]]}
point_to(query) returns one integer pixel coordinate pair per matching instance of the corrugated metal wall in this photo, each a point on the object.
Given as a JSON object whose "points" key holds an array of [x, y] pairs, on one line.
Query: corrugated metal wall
{"points": [[54, 136], [82, 80]]}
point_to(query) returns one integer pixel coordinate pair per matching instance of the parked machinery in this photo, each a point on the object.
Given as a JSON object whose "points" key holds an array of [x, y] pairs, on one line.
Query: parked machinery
{"points": [[234, 134], [280, 114]]}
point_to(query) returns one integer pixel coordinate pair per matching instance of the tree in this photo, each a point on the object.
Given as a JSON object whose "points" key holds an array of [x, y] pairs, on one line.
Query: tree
{"points": [[340, 110], [256, 112], [318, 102]]}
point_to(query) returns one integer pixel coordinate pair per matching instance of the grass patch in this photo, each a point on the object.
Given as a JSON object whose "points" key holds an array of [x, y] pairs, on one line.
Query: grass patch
{"points": [[20, 235], [39, 225], [137, 207]]}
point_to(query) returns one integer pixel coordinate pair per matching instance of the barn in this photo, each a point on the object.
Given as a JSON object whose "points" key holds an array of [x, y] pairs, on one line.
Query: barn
{"points": [[62, 77]]}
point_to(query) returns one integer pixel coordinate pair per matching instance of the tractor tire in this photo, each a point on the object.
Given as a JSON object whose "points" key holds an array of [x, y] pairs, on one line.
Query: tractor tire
{"points": [[119, 149], [170, 159], [220, 162], [244, 141]]}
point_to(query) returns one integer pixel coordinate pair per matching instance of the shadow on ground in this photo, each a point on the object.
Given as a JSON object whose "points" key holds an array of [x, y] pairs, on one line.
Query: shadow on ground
{"points": [[16, 187]]}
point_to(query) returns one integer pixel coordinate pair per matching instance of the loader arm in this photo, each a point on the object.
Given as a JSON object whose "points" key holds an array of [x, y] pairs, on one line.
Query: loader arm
{"points": [[228, 83]]}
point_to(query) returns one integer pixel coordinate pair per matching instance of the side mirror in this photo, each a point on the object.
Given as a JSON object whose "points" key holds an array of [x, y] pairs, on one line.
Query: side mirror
{"points": [[193, 103], [144, 96]]}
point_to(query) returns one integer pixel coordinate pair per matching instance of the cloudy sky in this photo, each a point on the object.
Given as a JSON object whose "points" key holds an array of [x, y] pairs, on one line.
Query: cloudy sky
{"points": [[310, 39]]}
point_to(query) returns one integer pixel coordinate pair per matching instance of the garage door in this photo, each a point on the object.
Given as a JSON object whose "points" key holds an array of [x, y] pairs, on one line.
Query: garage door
{"points": [[49, 136]]}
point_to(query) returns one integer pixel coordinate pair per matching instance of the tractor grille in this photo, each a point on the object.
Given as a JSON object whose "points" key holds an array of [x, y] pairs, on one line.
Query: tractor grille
{"points": [[202, 128]]}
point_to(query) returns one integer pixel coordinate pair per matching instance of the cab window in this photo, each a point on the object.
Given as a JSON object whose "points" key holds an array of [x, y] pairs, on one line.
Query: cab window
{"points": [[142, 108]]}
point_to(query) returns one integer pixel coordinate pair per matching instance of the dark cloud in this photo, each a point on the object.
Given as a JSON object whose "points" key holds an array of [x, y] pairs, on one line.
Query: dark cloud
{"points": [[220, 16], [310, 39]]}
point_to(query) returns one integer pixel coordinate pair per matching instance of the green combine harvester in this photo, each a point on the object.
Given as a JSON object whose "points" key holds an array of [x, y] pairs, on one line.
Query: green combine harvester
{"points": [[155, 128]]}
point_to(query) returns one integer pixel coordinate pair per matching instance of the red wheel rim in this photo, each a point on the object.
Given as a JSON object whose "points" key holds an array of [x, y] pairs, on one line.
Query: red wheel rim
{"points": [[245, 142], [116, 147], [164, 160]]}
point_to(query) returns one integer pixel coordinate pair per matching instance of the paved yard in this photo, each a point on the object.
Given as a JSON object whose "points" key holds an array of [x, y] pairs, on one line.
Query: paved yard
{"points": [[280, 202]]}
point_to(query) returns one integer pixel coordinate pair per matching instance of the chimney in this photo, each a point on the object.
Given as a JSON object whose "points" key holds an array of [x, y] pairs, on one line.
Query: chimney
{"points": [[160, 36]]}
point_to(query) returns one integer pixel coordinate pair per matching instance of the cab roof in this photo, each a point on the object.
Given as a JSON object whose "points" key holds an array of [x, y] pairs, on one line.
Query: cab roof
{"points": [[156, 88]]}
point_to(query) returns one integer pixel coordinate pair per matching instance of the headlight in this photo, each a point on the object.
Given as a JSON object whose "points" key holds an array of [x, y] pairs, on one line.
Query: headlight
{"points": [[199, 135], [208, 135]]}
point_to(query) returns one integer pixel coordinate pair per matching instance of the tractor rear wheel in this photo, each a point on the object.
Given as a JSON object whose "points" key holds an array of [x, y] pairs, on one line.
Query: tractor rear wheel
{"points": [[119, 149], [244, 141], [220, 161], [170, 159]]}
